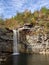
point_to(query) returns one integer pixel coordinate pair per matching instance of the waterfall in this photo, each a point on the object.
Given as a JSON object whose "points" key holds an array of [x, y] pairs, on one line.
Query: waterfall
{"points": [[15, 42]]}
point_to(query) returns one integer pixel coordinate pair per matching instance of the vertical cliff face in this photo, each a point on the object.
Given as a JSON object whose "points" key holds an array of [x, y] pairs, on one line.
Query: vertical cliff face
{"points": [[30, 40], [6, 41], [34, 40]]}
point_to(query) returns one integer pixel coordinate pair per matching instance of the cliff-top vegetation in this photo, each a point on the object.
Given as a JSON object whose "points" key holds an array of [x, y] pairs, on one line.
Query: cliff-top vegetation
{"points": [[40, 18]]}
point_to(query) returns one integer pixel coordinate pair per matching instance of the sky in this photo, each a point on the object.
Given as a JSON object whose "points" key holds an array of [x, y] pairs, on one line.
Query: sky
{"points": [[9, 8]]}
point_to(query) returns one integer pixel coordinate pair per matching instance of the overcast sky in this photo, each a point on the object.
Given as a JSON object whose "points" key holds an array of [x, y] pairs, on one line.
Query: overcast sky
{"points": [[9, 8]]}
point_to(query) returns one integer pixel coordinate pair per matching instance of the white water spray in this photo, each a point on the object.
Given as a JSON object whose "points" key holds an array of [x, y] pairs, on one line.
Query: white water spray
{"points": [[15, 42]]}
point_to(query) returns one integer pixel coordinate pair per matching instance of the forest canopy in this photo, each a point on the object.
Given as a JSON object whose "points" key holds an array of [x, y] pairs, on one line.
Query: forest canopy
{"points": [[40, 18]]}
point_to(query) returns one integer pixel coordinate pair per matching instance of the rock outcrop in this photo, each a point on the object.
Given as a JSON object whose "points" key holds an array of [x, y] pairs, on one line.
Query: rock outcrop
{"points": [[6, 42], [33, 40]]}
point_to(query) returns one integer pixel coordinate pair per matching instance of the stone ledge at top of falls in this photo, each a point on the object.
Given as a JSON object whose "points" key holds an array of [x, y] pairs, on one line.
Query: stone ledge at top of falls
{"points": [[28, 25]]}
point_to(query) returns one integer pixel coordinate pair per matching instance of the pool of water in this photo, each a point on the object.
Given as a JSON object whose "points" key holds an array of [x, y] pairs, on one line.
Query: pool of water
{"points": [[26, 59]]}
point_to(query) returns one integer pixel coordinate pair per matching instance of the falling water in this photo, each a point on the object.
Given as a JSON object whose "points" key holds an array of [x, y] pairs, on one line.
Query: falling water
{"points": [[15, 42]]}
